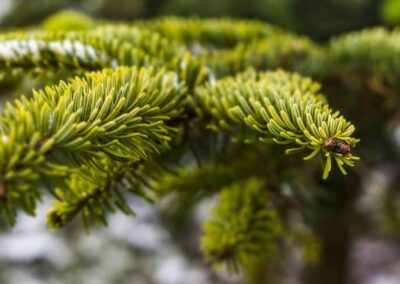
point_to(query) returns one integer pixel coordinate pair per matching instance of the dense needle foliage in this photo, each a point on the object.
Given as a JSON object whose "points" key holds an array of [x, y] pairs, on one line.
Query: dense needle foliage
{"points": [[188, 107]]}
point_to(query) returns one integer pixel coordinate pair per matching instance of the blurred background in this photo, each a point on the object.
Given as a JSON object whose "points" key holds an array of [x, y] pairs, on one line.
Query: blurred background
{"points": [[148, 249], [301, 16]]}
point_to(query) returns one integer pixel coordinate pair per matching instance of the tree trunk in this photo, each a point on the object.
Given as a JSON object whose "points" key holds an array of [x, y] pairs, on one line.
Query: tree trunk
{"points": [[334, 230]]}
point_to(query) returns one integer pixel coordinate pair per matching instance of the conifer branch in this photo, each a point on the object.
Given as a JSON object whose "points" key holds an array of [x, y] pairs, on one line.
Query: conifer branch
{"points": [[93, 193], [279, 51], [281, 107], [81, 139], [121, 114], [370, 55], [106, 46], [217, 32], [242, 228]]}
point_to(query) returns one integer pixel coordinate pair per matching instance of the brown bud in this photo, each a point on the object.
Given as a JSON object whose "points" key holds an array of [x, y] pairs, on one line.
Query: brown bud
{"points": [[337, 146], [343, 148], [330, 144]]}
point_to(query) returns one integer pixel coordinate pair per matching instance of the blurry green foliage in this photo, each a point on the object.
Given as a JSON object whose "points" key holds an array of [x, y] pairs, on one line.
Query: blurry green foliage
{"points": [[242, 227], [390, 11], [68, 20], [319, 19], [278, 12]]}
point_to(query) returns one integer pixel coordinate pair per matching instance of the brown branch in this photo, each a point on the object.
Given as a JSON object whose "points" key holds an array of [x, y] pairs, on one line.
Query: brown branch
{"points": [[3, 191]]}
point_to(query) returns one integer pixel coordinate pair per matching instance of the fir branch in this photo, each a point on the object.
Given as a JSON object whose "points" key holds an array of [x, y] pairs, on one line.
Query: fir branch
{"points": [[92, 193], [370, 55], [242, 229], [126, 115], [106, 46], [122, 114], [278, 51], [213, 32], [284, 107]]}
